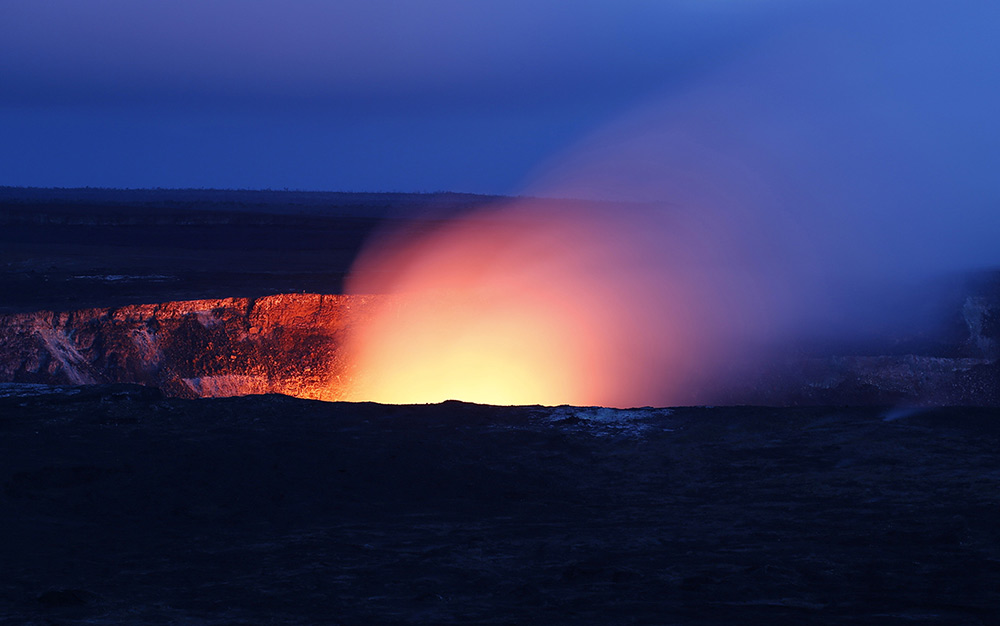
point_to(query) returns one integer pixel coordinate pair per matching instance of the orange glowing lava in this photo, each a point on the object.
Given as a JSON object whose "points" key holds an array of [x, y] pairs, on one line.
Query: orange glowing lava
{"points": [[527, 304]]}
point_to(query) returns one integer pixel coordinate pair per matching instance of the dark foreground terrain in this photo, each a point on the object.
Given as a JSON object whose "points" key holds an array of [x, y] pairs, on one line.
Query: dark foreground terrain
{"points": [[121, 506]]}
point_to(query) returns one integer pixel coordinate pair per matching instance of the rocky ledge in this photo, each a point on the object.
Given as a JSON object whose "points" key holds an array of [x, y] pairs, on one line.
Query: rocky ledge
{"points": [[234, 346], [290, 344]]}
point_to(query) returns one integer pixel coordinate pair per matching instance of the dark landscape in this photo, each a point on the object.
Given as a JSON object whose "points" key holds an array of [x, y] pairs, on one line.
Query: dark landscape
{"points": [[121, 506], [126, 498], [82, 248]]}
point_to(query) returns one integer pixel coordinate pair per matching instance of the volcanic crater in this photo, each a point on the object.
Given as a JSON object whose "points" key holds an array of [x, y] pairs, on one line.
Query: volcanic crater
{"points": [[155, 503]]}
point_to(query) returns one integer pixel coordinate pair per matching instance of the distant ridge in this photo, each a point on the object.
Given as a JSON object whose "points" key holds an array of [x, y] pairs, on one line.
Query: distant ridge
{"points": [[381, 204]]}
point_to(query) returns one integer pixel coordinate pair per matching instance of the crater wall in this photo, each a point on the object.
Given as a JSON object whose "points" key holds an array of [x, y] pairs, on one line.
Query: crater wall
{"points": [[290, 344], [284, 343]]}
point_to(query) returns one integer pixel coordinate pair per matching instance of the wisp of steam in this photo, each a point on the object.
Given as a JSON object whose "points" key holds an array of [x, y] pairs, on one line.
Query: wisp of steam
{"points": [[856, 147]]}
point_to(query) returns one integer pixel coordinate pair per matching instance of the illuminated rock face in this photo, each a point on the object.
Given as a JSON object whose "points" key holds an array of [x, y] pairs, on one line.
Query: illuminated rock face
{"points": [[294, 344], [235, 346]]}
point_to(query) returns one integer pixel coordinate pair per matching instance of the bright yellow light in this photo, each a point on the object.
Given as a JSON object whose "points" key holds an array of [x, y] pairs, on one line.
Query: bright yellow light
{"points": [[524, 305], [427, 348]]}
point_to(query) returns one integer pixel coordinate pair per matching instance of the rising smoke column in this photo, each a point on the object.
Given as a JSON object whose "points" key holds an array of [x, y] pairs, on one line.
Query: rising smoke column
{"points": [[553, 303], [856, 150]]}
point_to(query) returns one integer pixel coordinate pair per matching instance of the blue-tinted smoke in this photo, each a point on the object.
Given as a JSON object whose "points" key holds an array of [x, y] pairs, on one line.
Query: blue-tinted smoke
{"points": [[857, 147]]}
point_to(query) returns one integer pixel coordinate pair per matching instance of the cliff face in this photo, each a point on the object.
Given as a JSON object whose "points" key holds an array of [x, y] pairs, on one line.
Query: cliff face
{"points": [[290, 344], [982, 315], [203, 348]]}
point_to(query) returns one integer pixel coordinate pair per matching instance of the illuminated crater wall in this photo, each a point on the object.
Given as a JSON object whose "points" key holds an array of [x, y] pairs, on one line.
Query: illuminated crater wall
{"points": [[297, 344], [203, 348]]}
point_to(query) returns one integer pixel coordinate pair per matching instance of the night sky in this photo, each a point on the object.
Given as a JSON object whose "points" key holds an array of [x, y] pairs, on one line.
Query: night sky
{"points": [[866, 126], [366, 95]]}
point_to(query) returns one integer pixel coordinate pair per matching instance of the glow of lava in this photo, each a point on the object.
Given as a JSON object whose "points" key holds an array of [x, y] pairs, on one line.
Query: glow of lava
{"points": [[789, 182], [528, 304]]}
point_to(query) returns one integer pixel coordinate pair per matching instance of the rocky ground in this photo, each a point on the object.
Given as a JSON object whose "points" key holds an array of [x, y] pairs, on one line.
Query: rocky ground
{"points": [[121, 506], [286, 343]]}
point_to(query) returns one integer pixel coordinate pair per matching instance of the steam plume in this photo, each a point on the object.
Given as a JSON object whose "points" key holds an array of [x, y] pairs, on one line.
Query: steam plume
{"points": [[858, 149]]}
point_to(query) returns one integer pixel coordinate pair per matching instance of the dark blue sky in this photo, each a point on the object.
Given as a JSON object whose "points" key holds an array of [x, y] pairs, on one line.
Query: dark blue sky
{"points": [[348, 95]]}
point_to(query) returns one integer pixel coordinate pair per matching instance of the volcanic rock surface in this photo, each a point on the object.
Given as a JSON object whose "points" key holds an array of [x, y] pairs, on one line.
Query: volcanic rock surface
{"points": [[204, 348], [291, 344], [123, 507]]}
